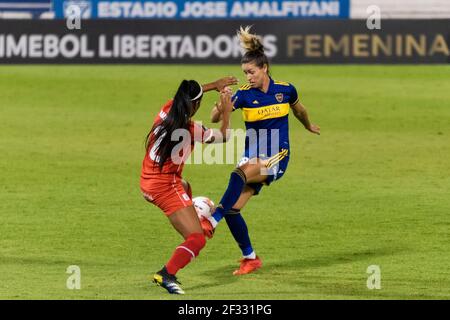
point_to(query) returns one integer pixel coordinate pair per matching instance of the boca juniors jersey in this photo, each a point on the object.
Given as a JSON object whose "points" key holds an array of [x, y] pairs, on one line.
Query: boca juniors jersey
{"points": [[266, 117]]}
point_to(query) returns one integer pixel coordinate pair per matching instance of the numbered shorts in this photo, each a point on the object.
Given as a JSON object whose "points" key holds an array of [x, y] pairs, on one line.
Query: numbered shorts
{"points": [[276, 167], [167, 193]]}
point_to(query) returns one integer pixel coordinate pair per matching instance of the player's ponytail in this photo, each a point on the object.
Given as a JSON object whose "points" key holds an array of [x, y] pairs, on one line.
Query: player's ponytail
{"points": [[179, 117], [254, 49]]}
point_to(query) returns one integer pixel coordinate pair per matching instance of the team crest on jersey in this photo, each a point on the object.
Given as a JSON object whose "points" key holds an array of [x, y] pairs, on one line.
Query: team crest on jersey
{"points": [[279, 97]]}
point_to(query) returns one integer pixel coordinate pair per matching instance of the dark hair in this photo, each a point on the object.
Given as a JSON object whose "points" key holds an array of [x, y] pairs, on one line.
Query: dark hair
{"points": [[177, 118], [254, 49]]}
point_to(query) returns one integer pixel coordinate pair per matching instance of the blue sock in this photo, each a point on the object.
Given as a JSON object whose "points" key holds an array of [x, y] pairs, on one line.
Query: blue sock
{"points": [[239, 230], [232, 194]]}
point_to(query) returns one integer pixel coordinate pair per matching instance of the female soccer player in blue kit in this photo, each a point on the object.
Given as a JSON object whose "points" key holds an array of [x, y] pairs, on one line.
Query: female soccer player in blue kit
{"points": [[265, 105]]}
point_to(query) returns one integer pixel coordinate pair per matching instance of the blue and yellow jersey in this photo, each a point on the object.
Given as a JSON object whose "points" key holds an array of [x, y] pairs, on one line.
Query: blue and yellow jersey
{"points": [[266, 117]]}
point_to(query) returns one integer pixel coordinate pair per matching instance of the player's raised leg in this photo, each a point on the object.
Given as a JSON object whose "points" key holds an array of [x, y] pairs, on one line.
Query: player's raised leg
{"points": [[249, 172]]}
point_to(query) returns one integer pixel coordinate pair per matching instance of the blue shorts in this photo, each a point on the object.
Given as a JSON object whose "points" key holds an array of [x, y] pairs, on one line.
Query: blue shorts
{"points": [[276, 168]]}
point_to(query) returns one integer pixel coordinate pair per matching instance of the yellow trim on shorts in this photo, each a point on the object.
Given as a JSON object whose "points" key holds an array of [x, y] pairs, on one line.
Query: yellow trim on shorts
{"points": [[277, 158]]}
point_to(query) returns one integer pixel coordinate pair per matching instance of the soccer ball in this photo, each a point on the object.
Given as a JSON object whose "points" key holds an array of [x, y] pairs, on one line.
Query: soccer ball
{"points": [[204, 206]]}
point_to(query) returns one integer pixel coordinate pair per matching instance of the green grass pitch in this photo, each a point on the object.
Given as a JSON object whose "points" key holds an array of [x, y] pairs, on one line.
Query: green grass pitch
{"points": [[373, 189]]}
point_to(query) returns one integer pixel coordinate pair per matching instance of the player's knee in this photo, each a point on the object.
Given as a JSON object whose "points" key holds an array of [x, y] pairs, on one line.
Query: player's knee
{"points": [[197, 242], [240, 173]]}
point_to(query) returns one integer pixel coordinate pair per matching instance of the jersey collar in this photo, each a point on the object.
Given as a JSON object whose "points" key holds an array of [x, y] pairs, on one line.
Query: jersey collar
{"points": [[269, 89]]}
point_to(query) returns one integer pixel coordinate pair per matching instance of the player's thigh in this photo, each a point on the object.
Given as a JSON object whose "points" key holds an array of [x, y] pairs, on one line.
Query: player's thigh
{"points": [[245, 196], [255, 171], [185, 221]]}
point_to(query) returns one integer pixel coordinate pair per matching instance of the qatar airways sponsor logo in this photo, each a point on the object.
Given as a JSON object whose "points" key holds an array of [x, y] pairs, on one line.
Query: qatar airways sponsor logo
{"points": [[273, 110]]}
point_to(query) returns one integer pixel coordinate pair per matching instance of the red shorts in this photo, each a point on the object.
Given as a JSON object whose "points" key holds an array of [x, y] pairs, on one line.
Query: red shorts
{"points": [[166, 192]]}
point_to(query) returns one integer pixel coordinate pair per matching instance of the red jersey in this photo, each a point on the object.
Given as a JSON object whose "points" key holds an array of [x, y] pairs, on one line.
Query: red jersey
{"points": [[150, 167]]}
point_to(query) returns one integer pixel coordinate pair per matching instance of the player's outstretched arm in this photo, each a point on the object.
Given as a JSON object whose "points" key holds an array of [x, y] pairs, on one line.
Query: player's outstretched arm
{"points": [[302, 115], [220, 84], [216, 113], [223, 134]]}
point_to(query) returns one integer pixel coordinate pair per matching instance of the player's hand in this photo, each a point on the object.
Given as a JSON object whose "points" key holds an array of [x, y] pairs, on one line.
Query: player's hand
{"points": [[218, 107], [225, 82], [227, 89], [225, 101], [314, 129]]}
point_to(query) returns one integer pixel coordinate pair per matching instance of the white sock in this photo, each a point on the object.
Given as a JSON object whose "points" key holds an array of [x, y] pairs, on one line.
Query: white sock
{"points": [[213, 221], [251, 255]]}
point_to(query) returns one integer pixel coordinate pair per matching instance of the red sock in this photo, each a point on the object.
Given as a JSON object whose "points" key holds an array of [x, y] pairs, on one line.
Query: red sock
{"points": [[185, 252]]}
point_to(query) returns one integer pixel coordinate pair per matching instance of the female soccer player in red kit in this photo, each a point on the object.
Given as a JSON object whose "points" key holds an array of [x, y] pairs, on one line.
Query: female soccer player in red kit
{"points": [[168, 145]]}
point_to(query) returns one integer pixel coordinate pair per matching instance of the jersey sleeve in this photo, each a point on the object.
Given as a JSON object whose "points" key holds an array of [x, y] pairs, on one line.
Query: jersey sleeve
{"points": [[238, 100], [293, 96], [200, 133]]}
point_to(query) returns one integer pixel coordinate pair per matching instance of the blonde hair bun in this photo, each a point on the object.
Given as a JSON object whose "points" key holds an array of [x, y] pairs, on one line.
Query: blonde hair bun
{"points": [[249, 42]]}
